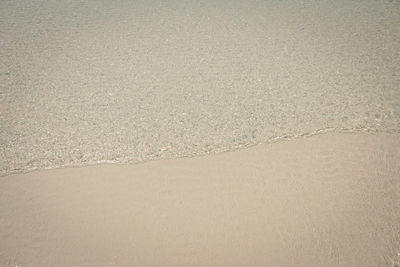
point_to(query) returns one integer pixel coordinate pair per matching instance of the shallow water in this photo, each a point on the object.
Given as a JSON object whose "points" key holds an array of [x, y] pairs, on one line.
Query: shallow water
{"points": [[117, 81]]}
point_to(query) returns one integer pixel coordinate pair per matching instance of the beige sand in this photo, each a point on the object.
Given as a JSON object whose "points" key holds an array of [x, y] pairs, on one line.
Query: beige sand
{"points": [[327, 200]]}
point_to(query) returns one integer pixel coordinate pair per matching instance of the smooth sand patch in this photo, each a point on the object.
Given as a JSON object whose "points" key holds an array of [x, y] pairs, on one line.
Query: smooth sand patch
{"points": [[327, 200]]}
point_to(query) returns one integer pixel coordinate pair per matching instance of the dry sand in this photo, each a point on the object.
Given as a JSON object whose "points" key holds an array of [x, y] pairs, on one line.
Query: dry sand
{"points": [[327, 200]]}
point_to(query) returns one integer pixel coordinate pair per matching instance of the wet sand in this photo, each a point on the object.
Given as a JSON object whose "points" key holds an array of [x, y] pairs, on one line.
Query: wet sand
{"points": [[326, 200]]}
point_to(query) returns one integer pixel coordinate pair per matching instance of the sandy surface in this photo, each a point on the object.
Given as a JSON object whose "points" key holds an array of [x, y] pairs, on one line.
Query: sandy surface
{"points": [[84, 82], [327, 200], [89, 82]]}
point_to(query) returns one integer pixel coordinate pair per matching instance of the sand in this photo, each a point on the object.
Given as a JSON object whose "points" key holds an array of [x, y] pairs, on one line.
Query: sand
{"points": [[162, 89], [85, 82], [326, 200]]}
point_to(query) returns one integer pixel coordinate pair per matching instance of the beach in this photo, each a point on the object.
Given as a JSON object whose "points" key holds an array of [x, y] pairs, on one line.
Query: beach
{"points": [[327, 200], [199, 133]]}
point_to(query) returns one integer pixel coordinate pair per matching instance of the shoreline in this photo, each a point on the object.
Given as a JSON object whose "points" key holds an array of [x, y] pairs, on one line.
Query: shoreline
{"points": [[285, 138]]}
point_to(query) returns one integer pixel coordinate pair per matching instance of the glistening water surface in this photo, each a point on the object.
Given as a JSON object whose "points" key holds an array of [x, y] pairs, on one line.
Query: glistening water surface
{"points": [[130, 81]]}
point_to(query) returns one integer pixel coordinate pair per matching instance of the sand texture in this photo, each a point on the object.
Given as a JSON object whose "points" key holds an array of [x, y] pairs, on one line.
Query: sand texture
{"points": [[157, 82], [84, 82], [327, 200]]}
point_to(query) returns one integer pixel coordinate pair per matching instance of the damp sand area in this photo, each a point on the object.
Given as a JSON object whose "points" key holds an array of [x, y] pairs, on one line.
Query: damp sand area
{"points": [[327, 200]]}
